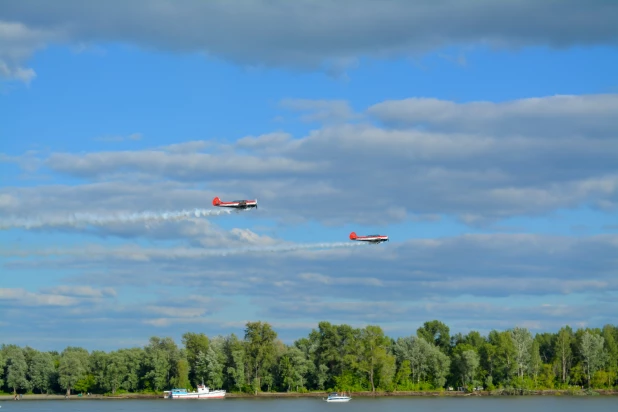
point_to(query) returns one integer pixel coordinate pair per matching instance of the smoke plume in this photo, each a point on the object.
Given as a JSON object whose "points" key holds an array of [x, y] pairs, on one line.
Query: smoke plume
{"points": [[93, 219], [136, 253]]}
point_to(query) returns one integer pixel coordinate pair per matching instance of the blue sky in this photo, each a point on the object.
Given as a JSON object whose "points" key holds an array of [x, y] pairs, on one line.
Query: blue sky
{"points": [[488, 155]]}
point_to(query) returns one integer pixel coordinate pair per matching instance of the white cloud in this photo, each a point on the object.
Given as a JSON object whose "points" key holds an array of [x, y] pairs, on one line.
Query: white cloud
{"points": [[17, 73], [267, 144], [322, 111], [175, 311], [307, 34], [332, 280], [7, 201], [64, 296], [187, 147], [338, 174], [17, 43], [475, 265], [584, 115], [25, 298], [28, 161], [80, 291], [468, 282], [188, 166], [480, 175]]}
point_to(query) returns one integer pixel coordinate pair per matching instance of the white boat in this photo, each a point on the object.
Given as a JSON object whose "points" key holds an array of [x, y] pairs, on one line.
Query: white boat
{"points": [[203, 392], [335, 397]]}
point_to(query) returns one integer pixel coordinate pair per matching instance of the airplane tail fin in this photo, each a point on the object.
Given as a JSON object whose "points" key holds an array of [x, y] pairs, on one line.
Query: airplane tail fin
{"points": [[216, 201], [353, 236]]}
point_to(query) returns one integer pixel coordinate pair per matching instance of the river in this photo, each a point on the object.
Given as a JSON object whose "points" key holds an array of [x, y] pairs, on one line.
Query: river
{"points": [[390, 404]]}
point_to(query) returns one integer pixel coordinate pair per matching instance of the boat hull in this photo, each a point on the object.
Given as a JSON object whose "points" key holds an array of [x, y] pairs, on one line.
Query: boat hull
{"points": [[196, 396], [339, 399], [203, 392]]}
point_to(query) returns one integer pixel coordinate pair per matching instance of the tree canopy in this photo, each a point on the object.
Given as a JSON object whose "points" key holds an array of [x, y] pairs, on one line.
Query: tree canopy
{"points": [[331, 357]]}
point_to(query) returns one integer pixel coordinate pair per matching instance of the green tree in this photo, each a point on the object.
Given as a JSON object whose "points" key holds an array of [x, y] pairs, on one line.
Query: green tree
{"points": [[293, 366], [42, 371], [547, 344], [157, 363], [505, 365], [331, 357], [161, 362], [437, 333], [417, 351], [287, 372], [402, 378], [535, 364], [260, 338], [592, 353], [72, 368], [181, 376], [563, 352], [16, 369], [311, 373], [610, 335], [374, 357], [116, 371], [488, 356], [2, 364], [97, 365], [522, 342], [194, 343], [210, 366], [439, 366], [85, 384], [466, 364], [333, 343], [234, 350], [547, 376], [133, 359], [201, 367]]}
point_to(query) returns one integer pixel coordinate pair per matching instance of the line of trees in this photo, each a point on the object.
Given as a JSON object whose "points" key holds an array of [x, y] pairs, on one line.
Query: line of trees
{"points": [[332, 357]]}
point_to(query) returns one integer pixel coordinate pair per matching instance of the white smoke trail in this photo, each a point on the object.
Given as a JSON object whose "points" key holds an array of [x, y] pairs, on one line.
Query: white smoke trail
{"points": [[134, 253], [274, 248], [93, 219]]}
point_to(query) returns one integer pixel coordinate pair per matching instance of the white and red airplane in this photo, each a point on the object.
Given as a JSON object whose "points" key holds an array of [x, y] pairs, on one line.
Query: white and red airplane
{"points": [[236, 204], [370, 238]]}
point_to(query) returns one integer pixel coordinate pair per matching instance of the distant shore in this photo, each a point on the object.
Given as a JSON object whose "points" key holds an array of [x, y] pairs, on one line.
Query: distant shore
{"points": [[322, 394]]}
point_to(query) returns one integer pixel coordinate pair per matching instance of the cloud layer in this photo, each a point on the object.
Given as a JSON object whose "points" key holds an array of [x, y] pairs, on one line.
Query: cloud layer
{"points": [[520, 158], [471, 281], [303, 34], [396, 162]]}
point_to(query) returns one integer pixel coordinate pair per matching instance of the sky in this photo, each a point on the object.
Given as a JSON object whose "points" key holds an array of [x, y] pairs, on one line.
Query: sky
{"points": [[480, 136]]}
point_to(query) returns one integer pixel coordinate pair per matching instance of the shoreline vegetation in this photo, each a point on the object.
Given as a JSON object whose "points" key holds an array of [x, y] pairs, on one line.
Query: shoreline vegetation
{"points": [[332, 358], [362, 394]]}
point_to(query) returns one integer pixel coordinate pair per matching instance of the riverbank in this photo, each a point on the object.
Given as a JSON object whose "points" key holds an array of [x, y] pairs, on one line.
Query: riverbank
{"points": [[324, 394]]}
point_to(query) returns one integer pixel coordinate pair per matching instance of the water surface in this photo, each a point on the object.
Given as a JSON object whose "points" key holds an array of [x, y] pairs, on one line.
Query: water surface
{"points": [[390, 404]]}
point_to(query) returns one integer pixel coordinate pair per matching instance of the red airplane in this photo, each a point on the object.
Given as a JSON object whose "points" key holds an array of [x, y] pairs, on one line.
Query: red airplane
{"points": [[236, 204], [370, 238]]}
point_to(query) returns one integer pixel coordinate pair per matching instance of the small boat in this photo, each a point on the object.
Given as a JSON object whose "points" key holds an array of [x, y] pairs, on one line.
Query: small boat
{"points": [[203, 392], [335, 397]]}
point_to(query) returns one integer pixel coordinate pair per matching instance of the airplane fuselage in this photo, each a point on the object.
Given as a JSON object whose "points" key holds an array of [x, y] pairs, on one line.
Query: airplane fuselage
{"points": [[370, 238], [239, 205], [236, 204]]}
